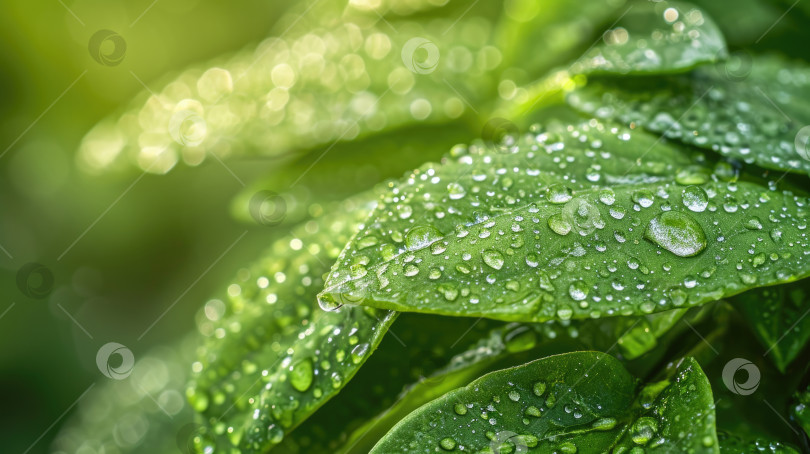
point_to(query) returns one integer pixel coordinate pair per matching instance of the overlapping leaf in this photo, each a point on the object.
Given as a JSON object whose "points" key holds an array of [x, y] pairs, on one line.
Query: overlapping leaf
{"points": [[751, 109], [779, 318], [577, 401], [273, 357], [503, 235], [730, 444], [654, 38]]}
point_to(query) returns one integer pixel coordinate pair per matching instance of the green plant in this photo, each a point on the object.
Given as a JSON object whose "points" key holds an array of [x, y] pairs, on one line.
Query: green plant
{"points": [[646, 200]]}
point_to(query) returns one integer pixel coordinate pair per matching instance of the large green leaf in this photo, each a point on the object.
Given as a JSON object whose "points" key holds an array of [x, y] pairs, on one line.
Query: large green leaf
{"points": [[779, 318], [504, 235], [750, 110], [578, 401], [656, 37], [272, 356]]}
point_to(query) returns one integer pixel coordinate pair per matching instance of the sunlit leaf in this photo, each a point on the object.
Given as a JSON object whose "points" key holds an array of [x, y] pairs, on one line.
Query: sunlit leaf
{"points": [[579, 401], [305, 88], [273, 357], [616, 232], [753, 110], [656, 37], [779, 318]]}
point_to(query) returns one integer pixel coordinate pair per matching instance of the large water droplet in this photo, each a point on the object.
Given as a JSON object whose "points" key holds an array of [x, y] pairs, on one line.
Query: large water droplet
{"points": [[421, 236], [301, 375], [493, 258], [677, 232], [695, 198]]}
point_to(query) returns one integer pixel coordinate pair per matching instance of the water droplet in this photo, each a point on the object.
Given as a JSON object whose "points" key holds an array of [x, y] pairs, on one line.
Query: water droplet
{"points": [[456, 191], [578, 291], [559, 224], [421, 236], [695, 198], [539, 388], [301, 375], [643, 197], [493, 258], [644, 430], [676, 232], [448, 444], [558, 193]]}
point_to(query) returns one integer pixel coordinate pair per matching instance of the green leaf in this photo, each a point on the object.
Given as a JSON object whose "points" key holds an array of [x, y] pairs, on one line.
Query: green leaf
{"points": [[272, 356], [654, 38], [734, 108], [778, 316], [305, 88], [564, 28], [730, 444], [583, 400], [308, 183], [505, 236]]}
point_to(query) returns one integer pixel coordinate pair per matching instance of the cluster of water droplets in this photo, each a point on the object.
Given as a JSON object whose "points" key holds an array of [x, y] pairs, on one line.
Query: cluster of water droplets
{"points": [[336, 79], [535, 235], [753, 119], [514, 413], [271, 357], [655, 37]]}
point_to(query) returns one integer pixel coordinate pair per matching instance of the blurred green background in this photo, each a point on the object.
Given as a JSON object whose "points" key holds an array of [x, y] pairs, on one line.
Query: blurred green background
{"points": [[125, 248], [138, 248]]}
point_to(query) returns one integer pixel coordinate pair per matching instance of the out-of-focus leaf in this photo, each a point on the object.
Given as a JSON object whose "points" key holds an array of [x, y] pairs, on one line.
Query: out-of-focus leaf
{"points": [[273, 357], [742, 21], [577, 401], [305, 88], [654, 38], [730, 444], [141, 414], [778, 316], [754, 110], [562, 29], [324, 176], [504, 236]]}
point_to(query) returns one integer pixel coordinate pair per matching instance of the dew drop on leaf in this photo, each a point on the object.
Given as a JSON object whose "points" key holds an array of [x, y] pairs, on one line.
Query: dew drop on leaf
{"points": [[676, 232]]}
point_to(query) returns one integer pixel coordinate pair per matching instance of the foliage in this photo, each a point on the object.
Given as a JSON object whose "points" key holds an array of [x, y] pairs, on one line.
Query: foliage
{"points": [[576, 285]]}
